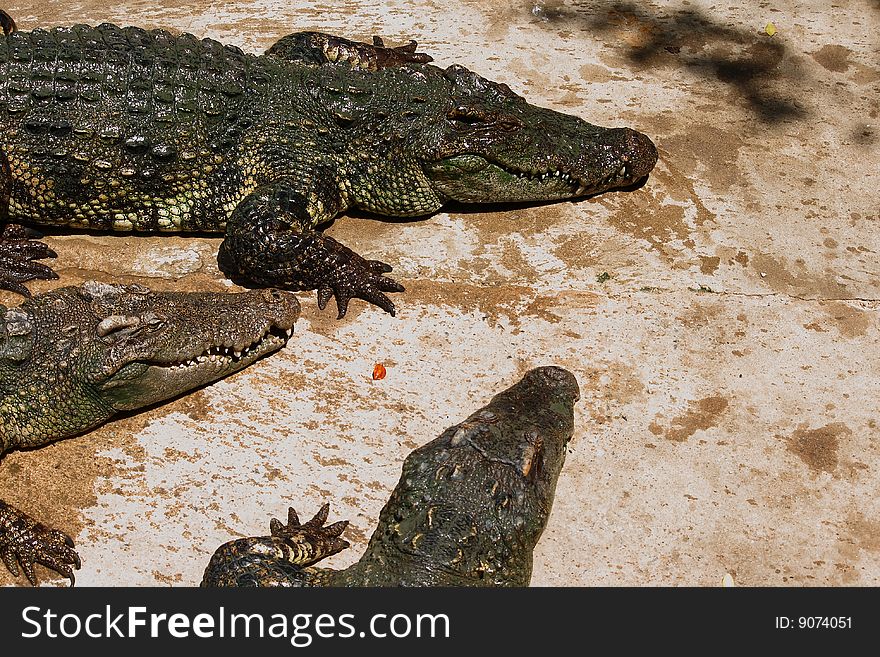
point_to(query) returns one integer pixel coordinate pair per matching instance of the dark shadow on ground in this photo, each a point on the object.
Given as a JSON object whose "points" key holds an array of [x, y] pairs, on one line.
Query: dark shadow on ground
{"points": [[751, 62]]}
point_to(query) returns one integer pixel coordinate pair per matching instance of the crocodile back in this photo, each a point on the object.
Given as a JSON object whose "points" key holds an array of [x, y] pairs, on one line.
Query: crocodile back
{"points": [[122, 128]]}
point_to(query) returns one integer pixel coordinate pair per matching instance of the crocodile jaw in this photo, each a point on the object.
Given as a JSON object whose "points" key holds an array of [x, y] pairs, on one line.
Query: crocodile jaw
{"points": [[142, 383], [474, 178]]}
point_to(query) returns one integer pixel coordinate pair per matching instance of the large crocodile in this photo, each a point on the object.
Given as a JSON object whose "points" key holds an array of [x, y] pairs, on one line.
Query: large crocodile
{"points": [[467, 511], [72, 358], [124, 129]]}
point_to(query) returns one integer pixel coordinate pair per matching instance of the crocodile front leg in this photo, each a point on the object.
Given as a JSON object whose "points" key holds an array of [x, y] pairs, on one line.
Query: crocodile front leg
{"points": [[271, 241], [280, 559], [25, 542]]}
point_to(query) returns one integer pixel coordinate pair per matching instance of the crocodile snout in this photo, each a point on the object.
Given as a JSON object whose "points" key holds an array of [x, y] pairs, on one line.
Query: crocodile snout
{"points": [[641, 154], [282, 307]]}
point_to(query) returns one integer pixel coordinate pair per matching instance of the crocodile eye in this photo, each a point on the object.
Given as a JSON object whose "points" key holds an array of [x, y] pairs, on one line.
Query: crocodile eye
{"points": [[509, 123], [467, 116], [463, 117]]}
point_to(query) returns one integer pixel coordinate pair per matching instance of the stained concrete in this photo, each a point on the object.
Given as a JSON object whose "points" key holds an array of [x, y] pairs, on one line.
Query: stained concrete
{"points": [[729, 364]]}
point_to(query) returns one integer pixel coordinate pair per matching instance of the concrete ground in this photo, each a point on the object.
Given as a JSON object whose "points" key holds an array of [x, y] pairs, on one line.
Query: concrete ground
{"points": [[729, 364]]}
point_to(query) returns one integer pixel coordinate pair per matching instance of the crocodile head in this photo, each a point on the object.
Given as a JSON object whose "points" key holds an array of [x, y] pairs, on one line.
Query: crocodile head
{"points": [[73, 357], [521, 438], [491, 146], [472, 504]]}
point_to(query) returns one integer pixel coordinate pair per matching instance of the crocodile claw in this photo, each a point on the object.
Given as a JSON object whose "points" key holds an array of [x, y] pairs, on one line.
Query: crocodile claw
{"points": [[25, 542], [320, 48], [313, 540], [18, 251], [362, 279], [402, 54]]}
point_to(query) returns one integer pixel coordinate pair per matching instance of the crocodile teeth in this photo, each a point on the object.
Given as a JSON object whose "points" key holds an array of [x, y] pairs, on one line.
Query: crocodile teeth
{"points": [[223, 354], [558, 174]]}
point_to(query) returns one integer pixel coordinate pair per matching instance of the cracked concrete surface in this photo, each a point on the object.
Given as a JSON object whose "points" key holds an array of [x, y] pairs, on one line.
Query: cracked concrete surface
{"points": [[729, 364]]}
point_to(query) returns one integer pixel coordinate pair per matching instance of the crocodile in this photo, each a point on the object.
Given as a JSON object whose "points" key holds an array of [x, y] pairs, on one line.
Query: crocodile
{"points": [[468, 510], [124, 129], [72, 358]]}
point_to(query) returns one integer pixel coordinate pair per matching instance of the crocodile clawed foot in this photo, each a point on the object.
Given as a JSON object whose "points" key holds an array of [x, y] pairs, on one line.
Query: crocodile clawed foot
{"points": [[25, 542], [320, 48], [362, 279], [313, 540], [403, 54], [18, 251]]}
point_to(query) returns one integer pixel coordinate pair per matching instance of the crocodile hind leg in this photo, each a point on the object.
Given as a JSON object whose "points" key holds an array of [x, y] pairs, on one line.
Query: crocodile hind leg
{"points": [[279, 559], [320, 48], [25, 542], [18, 248], [271, 241]]}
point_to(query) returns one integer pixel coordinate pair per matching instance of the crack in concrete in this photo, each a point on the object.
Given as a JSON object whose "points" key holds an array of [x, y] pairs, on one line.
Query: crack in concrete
{"points": [[765, 295]]}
